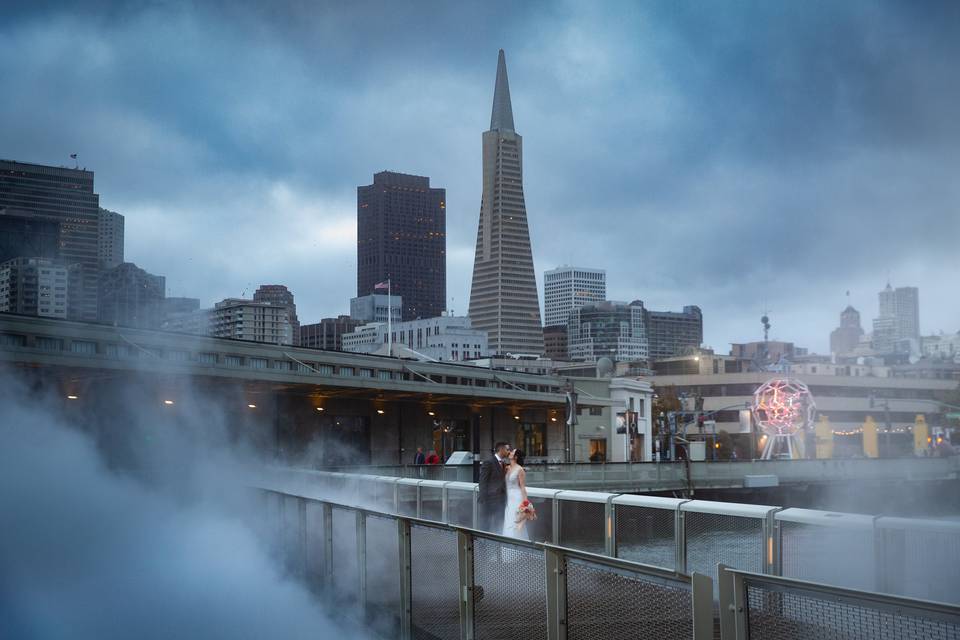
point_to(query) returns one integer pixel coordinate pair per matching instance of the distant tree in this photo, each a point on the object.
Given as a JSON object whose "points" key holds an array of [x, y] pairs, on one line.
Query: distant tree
{"points": [[725, 440]]}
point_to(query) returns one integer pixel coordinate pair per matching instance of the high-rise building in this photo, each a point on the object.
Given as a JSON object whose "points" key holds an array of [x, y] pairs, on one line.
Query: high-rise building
{"points": [[24, 235], [373, 308], [279, 295], [34, 286], [568, 288], [109, 238], [131, 297], [555, 342], [328, 333], [64, 196], [402, 237], [248, 320], [503, 295], [608, 329], [846, 337], [669, 333], [899, 317]]}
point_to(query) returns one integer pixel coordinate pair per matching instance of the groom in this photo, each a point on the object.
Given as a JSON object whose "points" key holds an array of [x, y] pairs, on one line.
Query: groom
{"points": [[492, 496]]}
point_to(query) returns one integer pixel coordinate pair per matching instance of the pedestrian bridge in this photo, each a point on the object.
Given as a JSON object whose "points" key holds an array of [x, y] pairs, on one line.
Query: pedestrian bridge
{"points": [[403, 555]]}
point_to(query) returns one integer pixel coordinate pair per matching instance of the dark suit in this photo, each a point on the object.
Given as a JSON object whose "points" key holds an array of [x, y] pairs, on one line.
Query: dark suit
{"points": [[492, 495]]}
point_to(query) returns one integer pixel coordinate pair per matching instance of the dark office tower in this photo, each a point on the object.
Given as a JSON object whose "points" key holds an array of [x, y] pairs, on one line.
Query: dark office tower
{"points": [[402, 237], [503, 298], [64, 196], [23, 235], [131, 297], [279, 296]]}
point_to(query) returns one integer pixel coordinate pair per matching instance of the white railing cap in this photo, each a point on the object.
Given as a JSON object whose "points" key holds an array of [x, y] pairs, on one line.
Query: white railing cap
{"points": [[460, 486], [826, 518], [728, 508], [653, 502], [919, 524], [538, 492], [433, 484], [584, 496], [409, 481]]}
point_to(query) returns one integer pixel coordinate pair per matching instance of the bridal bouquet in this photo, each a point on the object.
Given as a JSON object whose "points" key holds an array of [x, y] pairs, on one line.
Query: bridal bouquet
{"points": [[525, 512]]}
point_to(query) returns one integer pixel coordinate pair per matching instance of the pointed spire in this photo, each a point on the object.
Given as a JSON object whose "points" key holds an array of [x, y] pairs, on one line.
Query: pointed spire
{"points": [[502, 116]]}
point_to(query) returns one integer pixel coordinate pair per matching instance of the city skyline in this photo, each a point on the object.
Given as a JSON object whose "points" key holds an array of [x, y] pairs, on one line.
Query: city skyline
{"points": [[677, 186]]}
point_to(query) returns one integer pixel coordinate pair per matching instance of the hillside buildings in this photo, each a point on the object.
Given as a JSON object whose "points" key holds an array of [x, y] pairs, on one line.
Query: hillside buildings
{"points": [[503, 296]]}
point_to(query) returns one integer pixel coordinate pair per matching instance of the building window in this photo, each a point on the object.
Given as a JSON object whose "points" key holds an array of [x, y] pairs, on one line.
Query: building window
{"points": [[49, 344], [324, 369], [345, 371], [258, 363], [233, 361], [79, 346], [384, 375], [596, 411], [12, 340], [532, 438], [207, 358]]}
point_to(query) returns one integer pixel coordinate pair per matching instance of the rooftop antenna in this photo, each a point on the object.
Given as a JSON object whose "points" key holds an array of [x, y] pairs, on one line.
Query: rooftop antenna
{"points": [[76, 163]]}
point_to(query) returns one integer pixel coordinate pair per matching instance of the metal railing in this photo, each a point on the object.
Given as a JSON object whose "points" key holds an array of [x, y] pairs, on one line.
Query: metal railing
{"points": [[910, 557], [409, 577], [763, 607]]}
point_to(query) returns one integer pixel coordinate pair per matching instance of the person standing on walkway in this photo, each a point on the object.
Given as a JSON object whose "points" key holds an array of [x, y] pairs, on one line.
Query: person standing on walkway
{"points": [[492, 489], [418, 457]]}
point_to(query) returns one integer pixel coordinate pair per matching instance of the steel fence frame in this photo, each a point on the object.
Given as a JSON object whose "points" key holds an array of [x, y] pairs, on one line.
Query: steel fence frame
{"points": [[553, 560], [874, 538], [899, 617]]}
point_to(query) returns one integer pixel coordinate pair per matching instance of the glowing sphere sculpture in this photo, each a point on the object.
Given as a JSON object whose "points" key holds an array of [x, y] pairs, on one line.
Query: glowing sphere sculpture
{"points": [[783, 407]]}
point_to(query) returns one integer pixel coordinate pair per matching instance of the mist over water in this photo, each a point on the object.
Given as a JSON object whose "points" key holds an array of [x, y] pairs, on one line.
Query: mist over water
{"points": [[156, 550]]}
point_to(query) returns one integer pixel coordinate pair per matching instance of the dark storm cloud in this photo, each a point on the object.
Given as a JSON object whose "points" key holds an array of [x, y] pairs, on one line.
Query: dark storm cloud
{"points": [[733, 155]]}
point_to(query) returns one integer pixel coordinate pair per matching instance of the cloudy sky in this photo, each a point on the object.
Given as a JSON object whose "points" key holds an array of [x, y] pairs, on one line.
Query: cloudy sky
{"points": [[737, 155]]}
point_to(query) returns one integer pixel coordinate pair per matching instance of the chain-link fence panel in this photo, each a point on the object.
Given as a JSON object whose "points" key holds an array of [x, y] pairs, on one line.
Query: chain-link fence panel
{"points": [[460, 507], [606, 604], [383, 496], [541, 529], [509, 596], [733, 540], [382, 573], [435, 583], [431, 503], [582, 525], [291, 543], [780, 614], [407, 499], [647, 535], [314, 546], [346, 573], [837, 556], [921, 562]]}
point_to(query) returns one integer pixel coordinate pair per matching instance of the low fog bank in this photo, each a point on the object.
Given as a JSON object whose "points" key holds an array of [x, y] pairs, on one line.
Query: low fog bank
{"points": [[87, 551]]}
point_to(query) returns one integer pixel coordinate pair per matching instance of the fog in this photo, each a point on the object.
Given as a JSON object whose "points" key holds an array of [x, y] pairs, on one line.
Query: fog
{"points": [[96, 550]]}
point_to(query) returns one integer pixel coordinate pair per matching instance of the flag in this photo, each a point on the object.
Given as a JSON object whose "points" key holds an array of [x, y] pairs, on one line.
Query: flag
{"points": [[73, 155], [382, 285]]}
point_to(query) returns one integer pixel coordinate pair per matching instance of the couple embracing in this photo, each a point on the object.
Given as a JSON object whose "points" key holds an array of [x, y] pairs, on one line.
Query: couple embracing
{"points": [[502, 499]]}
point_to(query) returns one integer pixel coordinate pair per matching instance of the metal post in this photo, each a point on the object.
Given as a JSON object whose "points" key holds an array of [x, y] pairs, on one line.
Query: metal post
{"points": [[609, 527], [465, 561], [701, 588], [327, 580], [475, 437], [556, 520], [406, 580], [771, 544], [302, 538], [728, 622], [556, 577], [362, 564], [680, 539]]}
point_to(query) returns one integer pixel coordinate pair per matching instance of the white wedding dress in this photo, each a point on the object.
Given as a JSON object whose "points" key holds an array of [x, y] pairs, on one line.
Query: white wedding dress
{"points": [[514, 498]]}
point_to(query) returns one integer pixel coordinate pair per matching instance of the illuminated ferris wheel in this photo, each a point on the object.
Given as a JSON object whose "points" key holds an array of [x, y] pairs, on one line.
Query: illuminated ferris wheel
{"points": [[784, 410]]}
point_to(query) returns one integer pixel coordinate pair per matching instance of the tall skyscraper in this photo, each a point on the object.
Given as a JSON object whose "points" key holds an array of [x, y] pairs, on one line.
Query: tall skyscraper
{"points": [[402, 237], [846, 337], [109, 238], [568, 288], [903, 303], [64, 196], [279, 296], [503, 296]]}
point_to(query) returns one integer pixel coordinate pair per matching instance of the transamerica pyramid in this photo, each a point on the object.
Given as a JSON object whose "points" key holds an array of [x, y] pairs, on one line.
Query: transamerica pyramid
{"points": [[503, 297]]}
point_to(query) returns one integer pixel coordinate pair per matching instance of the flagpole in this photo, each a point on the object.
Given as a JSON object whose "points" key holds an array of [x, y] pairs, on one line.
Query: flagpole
{"points": [[389, 321]]}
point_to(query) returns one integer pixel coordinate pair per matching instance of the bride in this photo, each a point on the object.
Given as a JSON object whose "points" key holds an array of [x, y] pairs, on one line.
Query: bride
{"points": [[515, 478]]}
